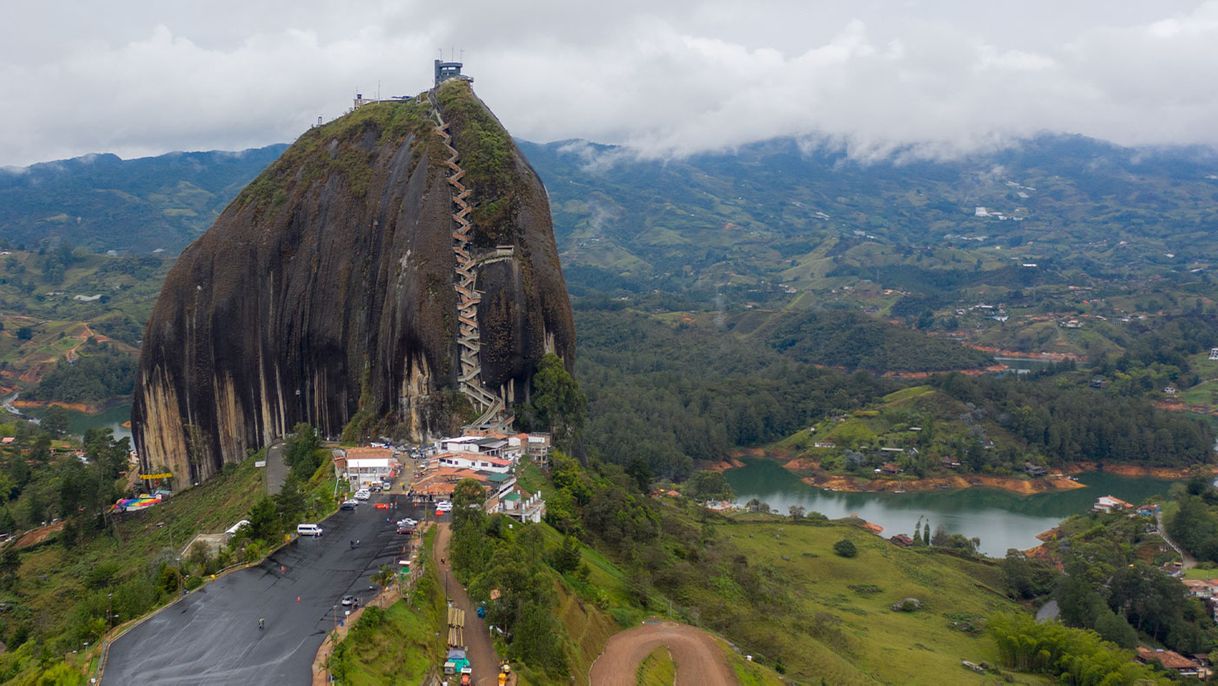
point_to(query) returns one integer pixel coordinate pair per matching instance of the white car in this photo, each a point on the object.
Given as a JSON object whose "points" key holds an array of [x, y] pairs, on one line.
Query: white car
{"points": [[444, 506], [363, 494], [407, 522]]}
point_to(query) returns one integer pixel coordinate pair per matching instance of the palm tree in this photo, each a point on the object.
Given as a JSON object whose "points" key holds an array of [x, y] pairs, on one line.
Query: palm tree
{"points": [[383, 576]]}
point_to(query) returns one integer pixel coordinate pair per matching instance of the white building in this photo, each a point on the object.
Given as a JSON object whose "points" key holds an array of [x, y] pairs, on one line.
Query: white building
{"points": [[364, 470], [476, 462], [1108, 504], [479, 445]]}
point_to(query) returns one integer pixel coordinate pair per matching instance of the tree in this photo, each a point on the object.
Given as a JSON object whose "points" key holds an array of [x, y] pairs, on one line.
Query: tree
{"points": [[568, 555], [1113, 627], [300, 450], [25, 333], [55, 421], [10, 564], [707, 485], [755, 505], [557, 403], [264, 520], [796, 512], [845, 548], [1078, 602], [1026, 578], [468, 497], [941, 537], [383, 576]]}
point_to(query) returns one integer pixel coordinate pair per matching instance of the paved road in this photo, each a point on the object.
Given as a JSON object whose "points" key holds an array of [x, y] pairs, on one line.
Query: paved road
{"points": [[698, 656], [212, 636], [483, 658], [276, 469]]}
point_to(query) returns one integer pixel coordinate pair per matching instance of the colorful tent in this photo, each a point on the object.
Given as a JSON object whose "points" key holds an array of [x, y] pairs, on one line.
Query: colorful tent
{"points": [[138, 503]]}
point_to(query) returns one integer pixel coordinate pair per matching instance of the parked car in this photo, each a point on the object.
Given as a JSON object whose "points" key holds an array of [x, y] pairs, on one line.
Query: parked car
{"points": [[374, 488], [363, 494], [405, 530], [350, 601], [349, 504], [308, 530], [444, 506], [407, 521]]}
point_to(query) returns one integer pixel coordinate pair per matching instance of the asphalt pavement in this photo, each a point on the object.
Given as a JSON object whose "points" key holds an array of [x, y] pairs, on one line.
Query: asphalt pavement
{"points": [[212, 636], [276, 469]]}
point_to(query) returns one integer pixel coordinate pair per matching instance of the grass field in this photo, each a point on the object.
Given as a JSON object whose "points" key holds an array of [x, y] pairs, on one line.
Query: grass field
{"points": [[838, 624], [749, 673], [657, 669]]}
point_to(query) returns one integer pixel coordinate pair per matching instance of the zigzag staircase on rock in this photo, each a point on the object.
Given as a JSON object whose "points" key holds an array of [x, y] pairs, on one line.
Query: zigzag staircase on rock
{"points": [[464, 277]]}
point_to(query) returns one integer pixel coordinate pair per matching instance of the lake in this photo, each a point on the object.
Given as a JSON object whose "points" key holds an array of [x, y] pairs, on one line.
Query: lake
{"points": [[1000, 519], [112, 417]]}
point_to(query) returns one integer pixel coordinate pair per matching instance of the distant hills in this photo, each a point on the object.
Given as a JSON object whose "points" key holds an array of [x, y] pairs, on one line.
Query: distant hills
{"points": [[751, 223], [106, 203], [783, 210]]}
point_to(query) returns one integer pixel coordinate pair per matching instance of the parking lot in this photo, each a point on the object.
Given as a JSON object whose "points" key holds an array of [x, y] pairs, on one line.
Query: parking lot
{"points": [[212, 635]]}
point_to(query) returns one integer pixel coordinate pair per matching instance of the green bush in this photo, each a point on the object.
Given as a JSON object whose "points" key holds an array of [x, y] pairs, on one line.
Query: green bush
{"points": [[845, 548]]}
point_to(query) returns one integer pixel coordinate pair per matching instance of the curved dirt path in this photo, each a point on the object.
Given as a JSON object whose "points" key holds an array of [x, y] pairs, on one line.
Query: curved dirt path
{"points": [[699, 658]]}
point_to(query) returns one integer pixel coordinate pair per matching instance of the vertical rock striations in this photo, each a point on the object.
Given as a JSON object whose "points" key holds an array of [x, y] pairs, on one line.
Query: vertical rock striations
{"points": [[326, 290]]}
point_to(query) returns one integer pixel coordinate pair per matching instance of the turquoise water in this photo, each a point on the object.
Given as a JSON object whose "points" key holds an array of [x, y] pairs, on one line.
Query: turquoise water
{"points": [[1000, 519]]}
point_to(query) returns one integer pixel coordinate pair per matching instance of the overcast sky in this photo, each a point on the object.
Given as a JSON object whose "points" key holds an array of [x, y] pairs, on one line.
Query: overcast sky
{"points": [[670, 77]]}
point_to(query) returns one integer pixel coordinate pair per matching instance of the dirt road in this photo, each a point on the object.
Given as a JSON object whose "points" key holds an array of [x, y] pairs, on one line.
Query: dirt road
{"points": [[481, 653], [700, 660]]}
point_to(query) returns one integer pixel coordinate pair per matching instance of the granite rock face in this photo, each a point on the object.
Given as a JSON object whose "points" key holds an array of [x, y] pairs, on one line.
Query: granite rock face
{"points": [[326, 289]]}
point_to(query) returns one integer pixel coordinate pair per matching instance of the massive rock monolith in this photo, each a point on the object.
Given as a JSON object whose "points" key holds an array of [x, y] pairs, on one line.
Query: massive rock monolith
{"points": [[325, 292]]}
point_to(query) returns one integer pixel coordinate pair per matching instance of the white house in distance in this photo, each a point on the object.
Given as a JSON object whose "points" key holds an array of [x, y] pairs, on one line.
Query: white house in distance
{"points": [[1108, 504]]}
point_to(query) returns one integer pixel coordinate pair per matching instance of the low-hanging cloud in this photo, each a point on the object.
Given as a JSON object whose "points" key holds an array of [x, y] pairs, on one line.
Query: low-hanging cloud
{"points": [[919, 78]]}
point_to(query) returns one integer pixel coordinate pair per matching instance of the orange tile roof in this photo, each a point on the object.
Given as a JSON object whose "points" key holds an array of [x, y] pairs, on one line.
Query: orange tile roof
{"points": [[368, 453], [1170, 659]]}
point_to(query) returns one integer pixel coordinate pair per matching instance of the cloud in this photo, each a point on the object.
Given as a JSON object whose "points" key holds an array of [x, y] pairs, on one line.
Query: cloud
{"points": [[915, 78]]}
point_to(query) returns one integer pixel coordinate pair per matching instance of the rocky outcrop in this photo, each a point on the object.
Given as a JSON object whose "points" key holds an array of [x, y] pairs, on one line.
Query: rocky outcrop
{"points": [[326, 290]]}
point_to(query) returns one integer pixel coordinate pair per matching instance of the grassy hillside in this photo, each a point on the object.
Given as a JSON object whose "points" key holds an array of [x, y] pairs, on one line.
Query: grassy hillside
{"points": [[61, 595], [401, 644], [919, 418], [838, 624], [119, 560], [53, 304]]}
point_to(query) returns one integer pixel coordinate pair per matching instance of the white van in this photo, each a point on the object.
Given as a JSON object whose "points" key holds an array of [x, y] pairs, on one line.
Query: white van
{"points": [[308, 530]]}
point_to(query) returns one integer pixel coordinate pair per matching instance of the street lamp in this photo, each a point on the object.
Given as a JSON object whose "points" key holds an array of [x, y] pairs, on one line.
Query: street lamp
{"points": [[109, 609]]}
